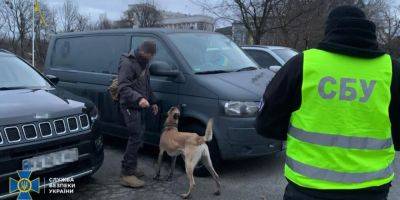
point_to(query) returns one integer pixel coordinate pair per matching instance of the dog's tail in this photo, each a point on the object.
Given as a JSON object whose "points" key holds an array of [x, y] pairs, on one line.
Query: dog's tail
{"points": [[209, 130]]}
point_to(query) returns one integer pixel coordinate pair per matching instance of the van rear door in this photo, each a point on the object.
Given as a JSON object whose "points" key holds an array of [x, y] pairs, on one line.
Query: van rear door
{"points": [[86, 65]]}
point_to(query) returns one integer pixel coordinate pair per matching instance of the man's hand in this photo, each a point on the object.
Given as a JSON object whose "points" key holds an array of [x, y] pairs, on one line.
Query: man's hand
{"points": [[143, 103], [154, 108]]}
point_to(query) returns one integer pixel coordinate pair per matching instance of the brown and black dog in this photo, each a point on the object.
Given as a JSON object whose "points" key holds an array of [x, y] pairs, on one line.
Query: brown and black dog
{"points": [[192, 146]]}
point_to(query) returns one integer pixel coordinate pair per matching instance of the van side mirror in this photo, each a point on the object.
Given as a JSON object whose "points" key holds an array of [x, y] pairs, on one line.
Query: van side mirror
{"points": [[160, 68], [275, 68], [53, 79]]}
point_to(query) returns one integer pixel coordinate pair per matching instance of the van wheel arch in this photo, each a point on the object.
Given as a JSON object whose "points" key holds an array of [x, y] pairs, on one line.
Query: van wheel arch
{"points": [[197, 126]]}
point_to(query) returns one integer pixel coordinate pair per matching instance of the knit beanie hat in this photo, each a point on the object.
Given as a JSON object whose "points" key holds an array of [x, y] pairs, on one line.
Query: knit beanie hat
{"points": [[348, 26]]}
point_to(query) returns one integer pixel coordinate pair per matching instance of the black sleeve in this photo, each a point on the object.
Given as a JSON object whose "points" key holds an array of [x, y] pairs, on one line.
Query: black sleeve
{"points": [[395, 105], [282, 97]]}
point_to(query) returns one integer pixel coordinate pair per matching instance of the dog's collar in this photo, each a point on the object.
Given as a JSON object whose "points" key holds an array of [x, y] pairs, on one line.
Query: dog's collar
{"points": [[172, 125]]}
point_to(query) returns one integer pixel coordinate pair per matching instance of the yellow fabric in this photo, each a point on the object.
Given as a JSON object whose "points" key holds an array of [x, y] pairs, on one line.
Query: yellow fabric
{"points": [[325, 109]]}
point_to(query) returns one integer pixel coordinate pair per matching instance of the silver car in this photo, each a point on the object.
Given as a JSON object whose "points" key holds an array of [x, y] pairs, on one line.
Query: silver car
{"points": [[271, 57]]}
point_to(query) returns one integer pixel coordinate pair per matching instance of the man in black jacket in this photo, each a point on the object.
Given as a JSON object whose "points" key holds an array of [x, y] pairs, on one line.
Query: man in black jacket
{"points": [[135, 95], [349, 33]]}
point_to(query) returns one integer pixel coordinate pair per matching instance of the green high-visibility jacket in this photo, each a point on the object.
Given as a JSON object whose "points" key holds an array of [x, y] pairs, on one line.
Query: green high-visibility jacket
{"points": [[340, 137]]}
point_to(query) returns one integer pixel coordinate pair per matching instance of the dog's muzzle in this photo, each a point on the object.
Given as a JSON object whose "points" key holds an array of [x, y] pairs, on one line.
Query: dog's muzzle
{"points": [[177, 115]]}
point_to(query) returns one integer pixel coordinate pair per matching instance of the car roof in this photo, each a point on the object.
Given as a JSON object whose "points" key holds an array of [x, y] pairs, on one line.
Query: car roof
{"points": [[264, 47], [133, 30], [4, 52]]}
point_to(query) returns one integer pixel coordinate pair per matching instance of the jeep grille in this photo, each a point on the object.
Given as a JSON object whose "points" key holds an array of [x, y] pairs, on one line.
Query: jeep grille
{"points": [[44, 129], [12, 134], [29, 131]]}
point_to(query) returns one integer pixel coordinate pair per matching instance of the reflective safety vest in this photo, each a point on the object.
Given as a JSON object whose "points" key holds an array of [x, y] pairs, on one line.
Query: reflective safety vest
{"points": [[340, 138]]}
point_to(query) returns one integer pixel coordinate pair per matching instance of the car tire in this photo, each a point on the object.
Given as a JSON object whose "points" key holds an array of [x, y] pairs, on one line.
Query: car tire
{"points": [[201, 170]]}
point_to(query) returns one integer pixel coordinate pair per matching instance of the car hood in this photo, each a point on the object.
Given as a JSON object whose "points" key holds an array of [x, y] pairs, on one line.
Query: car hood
{"points": [[27, 105], [238, 86]]}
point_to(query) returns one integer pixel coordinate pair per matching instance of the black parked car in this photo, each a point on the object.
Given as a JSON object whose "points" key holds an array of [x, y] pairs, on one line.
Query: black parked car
{"points": [[43, 128], [205, 73]]}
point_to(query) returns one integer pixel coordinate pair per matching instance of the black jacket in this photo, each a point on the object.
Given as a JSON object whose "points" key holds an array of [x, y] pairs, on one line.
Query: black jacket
{"points": [[133, 82]]}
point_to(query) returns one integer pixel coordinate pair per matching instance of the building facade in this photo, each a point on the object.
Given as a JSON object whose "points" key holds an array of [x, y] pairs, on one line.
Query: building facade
{"points": [[197, 22], [237, 32]]}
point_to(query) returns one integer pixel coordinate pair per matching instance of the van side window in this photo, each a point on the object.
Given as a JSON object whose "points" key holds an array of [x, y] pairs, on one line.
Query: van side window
{"points": [[162, 51], [90, 54]]}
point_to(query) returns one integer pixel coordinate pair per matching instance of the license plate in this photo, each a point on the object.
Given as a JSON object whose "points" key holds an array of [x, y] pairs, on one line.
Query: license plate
{"points": [[50, 160]]}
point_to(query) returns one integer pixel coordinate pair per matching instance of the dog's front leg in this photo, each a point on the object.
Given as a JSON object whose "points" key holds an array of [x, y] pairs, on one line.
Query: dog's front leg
{"points": [[171, 172], [158, 167]]}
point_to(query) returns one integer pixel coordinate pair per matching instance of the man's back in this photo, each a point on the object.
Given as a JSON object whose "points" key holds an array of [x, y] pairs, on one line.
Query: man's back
{"points": [[338, 108], [342, 125]]}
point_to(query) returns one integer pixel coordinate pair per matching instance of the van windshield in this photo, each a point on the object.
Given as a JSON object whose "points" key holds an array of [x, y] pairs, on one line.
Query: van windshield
{"points": [[207, 52], [16, 74]]}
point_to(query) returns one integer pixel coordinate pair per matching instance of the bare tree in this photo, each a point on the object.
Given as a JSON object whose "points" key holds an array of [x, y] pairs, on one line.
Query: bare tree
{"points": [[258, 16], [2, 17], [254, 14], [82, 22], [70, 19], [122, 23], [18, 15], [296, 23], [3, 22], [144, 15], [45, 25], [387, 21], [300, 24], [104, 22], [389, 26]]}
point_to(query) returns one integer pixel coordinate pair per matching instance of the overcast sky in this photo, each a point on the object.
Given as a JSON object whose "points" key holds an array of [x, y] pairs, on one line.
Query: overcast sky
{"points": [[115, 8]]}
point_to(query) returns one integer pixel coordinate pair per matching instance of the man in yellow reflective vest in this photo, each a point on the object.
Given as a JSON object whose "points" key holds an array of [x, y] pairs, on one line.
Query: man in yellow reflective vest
{"points": [[338, 108]]}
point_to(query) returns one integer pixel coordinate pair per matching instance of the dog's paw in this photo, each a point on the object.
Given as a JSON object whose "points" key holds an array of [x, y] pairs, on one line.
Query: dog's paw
{"points": [[185, 196], [169, 178], [157, 177], [217, 193]]}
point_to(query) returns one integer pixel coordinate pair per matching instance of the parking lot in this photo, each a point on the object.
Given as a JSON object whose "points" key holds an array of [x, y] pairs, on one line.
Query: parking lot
{"points": [[259, 178]]}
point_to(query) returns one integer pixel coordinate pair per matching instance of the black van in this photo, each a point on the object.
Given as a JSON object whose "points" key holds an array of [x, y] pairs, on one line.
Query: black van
{"points": [[43, 128], [205, 73]]}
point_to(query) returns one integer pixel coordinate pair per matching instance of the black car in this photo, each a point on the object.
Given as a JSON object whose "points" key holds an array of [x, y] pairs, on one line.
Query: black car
{"points": [[44, 129]]}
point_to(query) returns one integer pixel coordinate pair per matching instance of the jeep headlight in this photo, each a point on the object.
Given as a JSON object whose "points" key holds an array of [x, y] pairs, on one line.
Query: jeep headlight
{"points": [[240, 109]]}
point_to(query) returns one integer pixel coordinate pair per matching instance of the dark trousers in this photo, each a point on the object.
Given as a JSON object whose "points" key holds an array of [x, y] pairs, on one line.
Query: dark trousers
{"points": [[294, 192], [135, 123]]}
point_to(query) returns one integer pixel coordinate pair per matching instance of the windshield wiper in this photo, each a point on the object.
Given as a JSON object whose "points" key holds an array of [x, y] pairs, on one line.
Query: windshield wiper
{"points": [[13, 88], [214, 72], [247, 69]]}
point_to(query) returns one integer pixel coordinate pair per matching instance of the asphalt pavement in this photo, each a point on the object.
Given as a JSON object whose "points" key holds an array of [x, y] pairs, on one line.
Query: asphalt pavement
{"points": [[259, 178]]}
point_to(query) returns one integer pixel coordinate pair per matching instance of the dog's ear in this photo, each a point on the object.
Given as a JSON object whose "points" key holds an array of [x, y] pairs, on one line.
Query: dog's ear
{"points": [[179, 107]]}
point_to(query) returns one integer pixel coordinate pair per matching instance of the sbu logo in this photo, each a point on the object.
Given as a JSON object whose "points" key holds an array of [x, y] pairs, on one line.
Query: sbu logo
{"points": [[346, 90], [24, 185]]}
